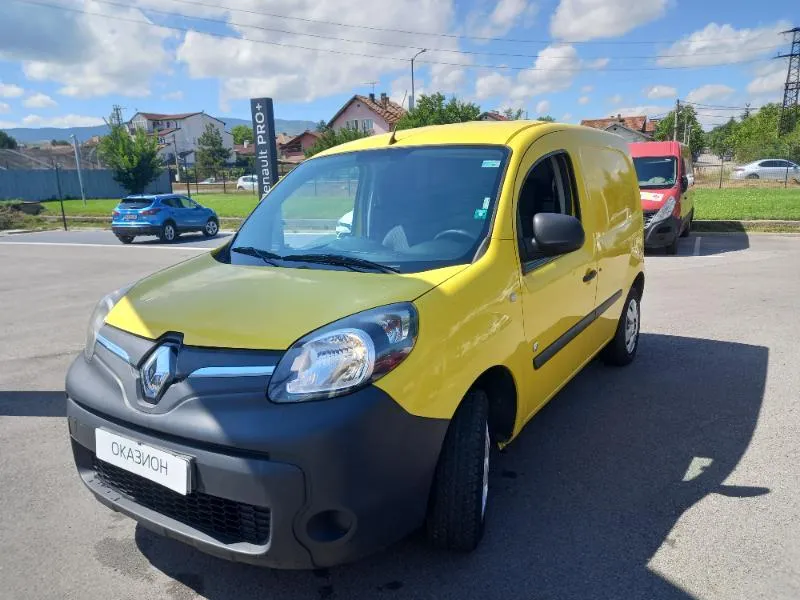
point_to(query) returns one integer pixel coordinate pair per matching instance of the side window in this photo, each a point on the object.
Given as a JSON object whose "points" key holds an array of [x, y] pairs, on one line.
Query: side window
{"points": [[185, 202], [548, 188], [171, 202]]}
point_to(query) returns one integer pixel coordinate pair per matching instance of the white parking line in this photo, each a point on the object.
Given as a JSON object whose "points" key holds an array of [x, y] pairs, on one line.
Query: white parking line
{"points": [[4, 243], [697, 246]]}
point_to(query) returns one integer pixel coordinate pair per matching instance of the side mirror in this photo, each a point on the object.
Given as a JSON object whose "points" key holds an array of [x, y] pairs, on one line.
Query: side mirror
{"points": [[555, 234], [684, 183]]}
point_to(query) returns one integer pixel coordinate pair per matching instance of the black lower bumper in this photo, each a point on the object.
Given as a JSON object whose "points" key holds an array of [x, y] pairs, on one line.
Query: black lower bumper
{"points": [[357, 482], [136, 230], [662, 233]]}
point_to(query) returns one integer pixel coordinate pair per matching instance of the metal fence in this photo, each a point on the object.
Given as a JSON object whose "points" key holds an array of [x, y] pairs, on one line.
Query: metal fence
{"points": [[52, 184], [719, 173]]}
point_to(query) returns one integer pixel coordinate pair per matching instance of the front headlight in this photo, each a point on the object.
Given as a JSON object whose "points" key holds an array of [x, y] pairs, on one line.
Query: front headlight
{"points": [[345, 355], [665, 211], [98, 317]]}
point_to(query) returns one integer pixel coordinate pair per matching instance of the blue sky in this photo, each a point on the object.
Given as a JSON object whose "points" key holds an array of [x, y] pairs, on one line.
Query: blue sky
{"points": [[66, 64]]}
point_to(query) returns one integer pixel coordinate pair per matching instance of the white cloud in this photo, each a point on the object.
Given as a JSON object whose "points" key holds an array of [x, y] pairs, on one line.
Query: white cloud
{"points": [[587, 88], [566, 117], [542, 107], [615, 99], [581, 20], [10, 90], [654, 92], [4, 107], [8, 125], [584, 100], [553, 71], [447, 79], [247, 69], [723, 44], [491, 85], [651, 110], [769, 80], [177, 95], [61, 121], [710, 91], [506, 14], [39, 100], [90, 55], [597, 63]]}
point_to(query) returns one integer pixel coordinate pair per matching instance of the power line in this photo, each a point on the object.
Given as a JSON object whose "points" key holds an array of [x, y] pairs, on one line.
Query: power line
{"points": [[217, 21], [358, 54], [431, 33]]}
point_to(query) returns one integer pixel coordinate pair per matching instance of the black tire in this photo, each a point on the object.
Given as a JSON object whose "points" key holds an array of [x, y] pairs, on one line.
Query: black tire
{"points": [[169, 233], [125, 239], [752, 176], [457, 509], [672, 249], [239, 188], [688, 229], [618, 352], [211, 228]]}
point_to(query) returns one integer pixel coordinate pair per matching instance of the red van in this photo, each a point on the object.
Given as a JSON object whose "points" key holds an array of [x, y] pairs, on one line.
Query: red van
{"points": [[666, 178]]}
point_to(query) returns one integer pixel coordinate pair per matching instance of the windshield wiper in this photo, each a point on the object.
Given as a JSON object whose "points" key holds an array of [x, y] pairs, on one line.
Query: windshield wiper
{"points": [[265, 255], [339, 260]]}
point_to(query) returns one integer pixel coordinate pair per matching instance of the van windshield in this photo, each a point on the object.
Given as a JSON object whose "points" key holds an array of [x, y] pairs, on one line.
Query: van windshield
{"points": [[655, 172], [401, 209]]}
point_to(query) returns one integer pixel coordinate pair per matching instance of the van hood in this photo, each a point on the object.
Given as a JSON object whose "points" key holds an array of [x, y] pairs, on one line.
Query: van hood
{"points": [[654, 198], [257, 307]]}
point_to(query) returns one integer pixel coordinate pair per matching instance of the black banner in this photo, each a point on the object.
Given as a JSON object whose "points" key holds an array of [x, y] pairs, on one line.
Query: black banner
{"points": [[265, 148]]}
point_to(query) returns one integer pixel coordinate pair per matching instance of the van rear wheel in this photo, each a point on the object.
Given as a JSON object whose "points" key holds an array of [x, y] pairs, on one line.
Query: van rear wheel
{"points": [[460, 489], [688, 229], [621, 350]]}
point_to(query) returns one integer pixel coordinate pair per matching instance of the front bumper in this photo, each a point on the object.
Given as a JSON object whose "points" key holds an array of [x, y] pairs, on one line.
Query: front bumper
{"points": [[329, 482], [662, 233]]}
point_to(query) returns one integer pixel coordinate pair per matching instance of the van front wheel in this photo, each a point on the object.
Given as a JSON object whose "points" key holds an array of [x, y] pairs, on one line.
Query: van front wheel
{"points": [[460, 489], [621, 350]]}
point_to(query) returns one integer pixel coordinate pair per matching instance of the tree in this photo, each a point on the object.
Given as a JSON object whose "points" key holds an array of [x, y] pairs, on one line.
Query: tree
{"points": [[687, 118], [133, 158], [547, 119], [513, 114], [211, 152], [757, 137], [241, 133], [720, 139], [433, 110], [321, 126], [333, 137], [7, 142], [59, 143]]}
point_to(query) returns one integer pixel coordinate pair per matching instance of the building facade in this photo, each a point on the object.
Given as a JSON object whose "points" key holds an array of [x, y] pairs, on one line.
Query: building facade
{"points": [[178, 133], [368, 114]]}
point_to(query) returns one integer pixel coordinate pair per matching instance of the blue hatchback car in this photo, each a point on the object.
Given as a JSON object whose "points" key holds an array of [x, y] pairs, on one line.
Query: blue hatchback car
{"points": [[163, 215]]}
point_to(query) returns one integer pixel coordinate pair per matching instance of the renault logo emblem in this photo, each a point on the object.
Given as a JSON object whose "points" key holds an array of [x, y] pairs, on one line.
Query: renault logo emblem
{"points": [[158, 372]]}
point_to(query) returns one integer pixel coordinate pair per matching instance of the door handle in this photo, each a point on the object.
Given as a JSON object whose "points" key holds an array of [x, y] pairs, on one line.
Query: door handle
{"points": [[590, 274]]}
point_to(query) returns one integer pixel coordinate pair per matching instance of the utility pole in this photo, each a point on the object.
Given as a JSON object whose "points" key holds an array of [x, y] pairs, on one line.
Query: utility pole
{"points": [[791, 91], [78, 166], [675, 121], [411, 100], [177, 165], [60, 195]]}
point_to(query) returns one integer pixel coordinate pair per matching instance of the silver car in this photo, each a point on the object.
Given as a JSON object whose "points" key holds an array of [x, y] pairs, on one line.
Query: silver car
{"points": [[769, 168], [247, 183]]}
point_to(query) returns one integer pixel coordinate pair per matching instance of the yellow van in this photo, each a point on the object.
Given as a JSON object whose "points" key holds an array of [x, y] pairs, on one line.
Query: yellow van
{"points": [[311, 392]]}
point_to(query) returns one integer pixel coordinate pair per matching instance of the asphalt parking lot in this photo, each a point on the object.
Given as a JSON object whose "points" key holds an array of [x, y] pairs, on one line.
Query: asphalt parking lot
{"points": [[677, 477]]}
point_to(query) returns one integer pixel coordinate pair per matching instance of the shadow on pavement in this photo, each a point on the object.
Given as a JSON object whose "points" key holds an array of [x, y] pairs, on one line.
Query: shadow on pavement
{"points": [[33, 404], [710, 244], [581, 501], [184, 238]]}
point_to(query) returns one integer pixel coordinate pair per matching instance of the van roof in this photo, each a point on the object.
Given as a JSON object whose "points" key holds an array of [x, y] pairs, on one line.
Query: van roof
{"points": [[472, 132], [669, 148]]}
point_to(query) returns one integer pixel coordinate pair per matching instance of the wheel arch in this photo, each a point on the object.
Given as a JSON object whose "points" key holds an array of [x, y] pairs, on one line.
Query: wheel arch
{"points": [[499, 385], [638, 284]]}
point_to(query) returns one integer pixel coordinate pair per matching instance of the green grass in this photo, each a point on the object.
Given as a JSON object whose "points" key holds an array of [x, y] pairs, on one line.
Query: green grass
{"points": [[742, 204], [226, 205]]}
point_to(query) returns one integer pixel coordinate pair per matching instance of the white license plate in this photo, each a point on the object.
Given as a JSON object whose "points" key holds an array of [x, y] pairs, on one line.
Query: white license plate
{"points": [[130, 217], [165, 468]]}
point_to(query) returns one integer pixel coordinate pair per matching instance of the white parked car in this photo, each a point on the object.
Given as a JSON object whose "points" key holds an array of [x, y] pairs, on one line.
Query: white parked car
{"points": [[769, 168], [247, 183], [345, 224]]}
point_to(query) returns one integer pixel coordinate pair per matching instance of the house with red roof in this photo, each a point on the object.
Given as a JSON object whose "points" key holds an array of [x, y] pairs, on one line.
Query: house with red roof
{"points": [[178, 133], [634, 129], [368, 113]]}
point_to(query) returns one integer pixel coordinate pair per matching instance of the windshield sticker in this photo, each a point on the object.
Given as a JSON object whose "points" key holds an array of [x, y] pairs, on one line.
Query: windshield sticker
{"points": [[651, 196], [486, 202], [480, 214], [490, 164]]}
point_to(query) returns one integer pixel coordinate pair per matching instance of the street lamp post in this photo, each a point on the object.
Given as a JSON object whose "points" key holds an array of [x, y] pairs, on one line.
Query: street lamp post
{"points": [[78, 166], [411, 100]]}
